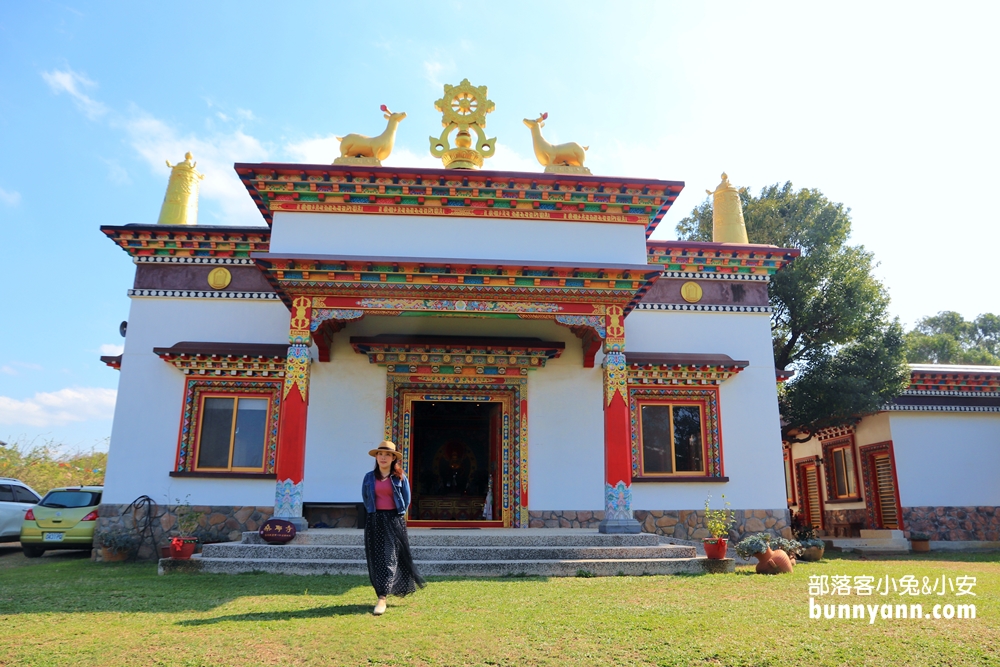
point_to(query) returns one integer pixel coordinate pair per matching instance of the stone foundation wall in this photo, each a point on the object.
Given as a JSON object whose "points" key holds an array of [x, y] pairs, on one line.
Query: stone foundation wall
{"points": [[954, 523], [679, 524], [845, 523], [216, 523]]}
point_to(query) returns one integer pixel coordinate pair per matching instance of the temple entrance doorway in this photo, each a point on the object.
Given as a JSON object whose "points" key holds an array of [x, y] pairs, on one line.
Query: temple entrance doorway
{"points": [[455, 465]]}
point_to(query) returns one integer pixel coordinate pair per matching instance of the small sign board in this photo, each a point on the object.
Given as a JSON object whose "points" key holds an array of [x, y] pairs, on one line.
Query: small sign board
{"points": [[277, 531]]}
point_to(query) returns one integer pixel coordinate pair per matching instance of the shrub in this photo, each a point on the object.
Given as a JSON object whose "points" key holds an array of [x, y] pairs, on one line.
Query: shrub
{"points": [[753, 545], [801, 529], [790, 547], [44, 467], [119, 540], [718, 522]]}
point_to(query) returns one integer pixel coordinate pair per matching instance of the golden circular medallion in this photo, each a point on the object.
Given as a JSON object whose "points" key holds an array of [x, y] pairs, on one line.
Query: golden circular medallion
{"points": [[219, 278], [691, 292]]}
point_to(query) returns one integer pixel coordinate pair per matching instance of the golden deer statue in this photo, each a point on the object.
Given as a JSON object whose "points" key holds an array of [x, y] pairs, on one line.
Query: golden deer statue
{"points": [[559, 155], [378, 148]]}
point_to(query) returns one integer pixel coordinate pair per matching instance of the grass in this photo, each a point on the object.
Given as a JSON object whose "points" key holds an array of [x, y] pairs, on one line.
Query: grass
{"points": [[65, 610]]}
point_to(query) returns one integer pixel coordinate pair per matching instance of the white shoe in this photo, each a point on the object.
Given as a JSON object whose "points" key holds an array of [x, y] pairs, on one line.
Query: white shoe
{"points": [[379, 608]]}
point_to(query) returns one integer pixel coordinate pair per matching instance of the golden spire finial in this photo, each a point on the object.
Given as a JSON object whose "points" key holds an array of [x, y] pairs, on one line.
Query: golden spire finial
{"points": [[180, 203], [728, 225], [463, 108]]}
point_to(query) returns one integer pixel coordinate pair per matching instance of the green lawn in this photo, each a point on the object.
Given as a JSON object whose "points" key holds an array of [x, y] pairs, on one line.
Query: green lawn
{"points": [[65, 610]]}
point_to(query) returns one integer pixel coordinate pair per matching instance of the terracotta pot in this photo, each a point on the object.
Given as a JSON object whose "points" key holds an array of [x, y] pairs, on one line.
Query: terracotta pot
{"points": [[182, 547], [920, 546], [715, 547], [812, 553], [110, 556], [773, 562]]}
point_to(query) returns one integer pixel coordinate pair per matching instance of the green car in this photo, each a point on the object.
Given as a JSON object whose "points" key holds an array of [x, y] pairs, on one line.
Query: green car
{"points": [[64, 519]]}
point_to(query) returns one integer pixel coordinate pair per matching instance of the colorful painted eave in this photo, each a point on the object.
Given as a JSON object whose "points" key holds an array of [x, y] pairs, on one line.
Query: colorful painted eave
{"points": [[189, 241], [359, 277], [453, 192], [719, 258], [935, 379]]}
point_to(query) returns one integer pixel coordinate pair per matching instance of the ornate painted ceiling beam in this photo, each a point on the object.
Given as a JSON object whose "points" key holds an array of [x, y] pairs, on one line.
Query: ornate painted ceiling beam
{"points": [[688, 259], [442, 192], [188, 242]]}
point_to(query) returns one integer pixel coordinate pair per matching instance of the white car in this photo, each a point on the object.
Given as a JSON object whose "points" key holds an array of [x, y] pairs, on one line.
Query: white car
{"points": [[16, 498]]}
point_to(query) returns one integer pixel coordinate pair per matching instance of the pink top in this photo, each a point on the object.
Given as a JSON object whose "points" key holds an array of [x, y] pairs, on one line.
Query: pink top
{"points": [[383, 495]]}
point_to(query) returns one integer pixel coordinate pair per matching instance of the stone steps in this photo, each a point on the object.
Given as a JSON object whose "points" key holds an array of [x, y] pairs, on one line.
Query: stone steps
{"points": [[457, 568], [547, 552], [874, 542], [440, 553]]}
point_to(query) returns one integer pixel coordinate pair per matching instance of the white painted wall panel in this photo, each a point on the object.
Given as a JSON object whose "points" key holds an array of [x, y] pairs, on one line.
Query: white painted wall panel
{"points": [[150, 395], [946, 458], [457, 238], [748, 406]]}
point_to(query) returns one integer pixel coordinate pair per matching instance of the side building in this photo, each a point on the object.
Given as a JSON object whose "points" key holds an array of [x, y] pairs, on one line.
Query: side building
{"points": [[925, 464]]}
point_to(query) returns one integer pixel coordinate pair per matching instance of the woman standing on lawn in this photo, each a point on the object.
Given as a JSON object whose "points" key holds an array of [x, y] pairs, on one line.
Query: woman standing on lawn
{"points": [[386, 494]]}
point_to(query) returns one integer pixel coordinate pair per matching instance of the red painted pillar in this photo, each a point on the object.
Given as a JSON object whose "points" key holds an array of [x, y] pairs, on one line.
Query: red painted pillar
{"points": [[617, 430], [290, 465]]}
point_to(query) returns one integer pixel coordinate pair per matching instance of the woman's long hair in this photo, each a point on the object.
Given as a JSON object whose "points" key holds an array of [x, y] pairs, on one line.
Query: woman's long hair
{"points": [[395, 469]]}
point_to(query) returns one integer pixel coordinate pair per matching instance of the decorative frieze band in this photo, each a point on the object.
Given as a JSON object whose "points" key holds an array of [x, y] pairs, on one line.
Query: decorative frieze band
{"points": [[943, 408], [704, 308], [965, 393], [203, 294], [716, 276], [193, 260]]}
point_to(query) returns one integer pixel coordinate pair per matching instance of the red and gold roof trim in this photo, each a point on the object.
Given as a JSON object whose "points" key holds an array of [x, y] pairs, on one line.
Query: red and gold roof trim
{"points": [[682, 259], [189, 241], [681, 369]]}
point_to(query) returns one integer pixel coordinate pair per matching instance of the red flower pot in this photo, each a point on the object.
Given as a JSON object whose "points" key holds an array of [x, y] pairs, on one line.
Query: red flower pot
{"points": [[182, 547], [715, 547]]}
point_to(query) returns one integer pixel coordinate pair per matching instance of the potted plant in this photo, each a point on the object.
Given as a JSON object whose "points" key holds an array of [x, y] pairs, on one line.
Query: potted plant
{"points": [[768, 561], [188, 523], [793, 548], [812, 549], [117, 544], [718, 522], [920, 542]]}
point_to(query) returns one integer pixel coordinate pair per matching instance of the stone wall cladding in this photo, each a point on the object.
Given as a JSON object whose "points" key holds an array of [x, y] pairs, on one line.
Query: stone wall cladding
{"points": [[954, 523], [678, 524], [217, 523], [332, 517]]}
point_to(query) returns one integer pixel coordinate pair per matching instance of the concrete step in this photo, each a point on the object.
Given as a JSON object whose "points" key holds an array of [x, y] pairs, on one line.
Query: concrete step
{"points": [[443, 553], [871, 545], [457, 568], [509, 537]]}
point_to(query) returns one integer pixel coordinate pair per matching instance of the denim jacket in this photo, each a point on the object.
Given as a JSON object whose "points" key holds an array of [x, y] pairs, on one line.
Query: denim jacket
{"points": [[400, 492]]}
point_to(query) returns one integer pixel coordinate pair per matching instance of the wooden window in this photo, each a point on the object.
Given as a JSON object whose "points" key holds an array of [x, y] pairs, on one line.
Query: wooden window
{"points": [[671, 439], [233, 432], [811, 502], [841, 471]]}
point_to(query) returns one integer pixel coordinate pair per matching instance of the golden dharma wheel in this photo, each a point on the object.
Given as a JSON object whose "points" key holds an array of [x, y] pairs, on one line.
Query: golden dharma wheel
{"points": [[691, 292], [219, 278]]}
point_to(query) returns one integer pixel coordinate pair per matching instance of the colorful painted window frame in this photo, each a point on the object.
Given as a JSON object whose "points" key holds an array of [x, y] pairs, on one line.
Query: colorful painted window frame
{"points": [[707, 399], [789, 476], [196, 389], [834, 494], [512, 393]]}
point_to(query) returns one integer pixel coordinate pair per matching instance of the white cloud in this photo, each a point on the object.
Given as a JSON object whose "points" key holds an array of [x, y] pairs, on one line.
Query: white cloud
{"points": [[111, 349], [46, 409], [73, 83], [7, 370], [318, 150], [10, 198], [116, 173], [158, 142]]}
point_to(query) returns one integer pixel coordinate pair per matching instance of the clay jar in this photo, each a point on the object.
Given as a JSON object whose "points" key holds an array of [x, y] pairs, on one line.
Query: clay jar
{"points": [[773, 562]]}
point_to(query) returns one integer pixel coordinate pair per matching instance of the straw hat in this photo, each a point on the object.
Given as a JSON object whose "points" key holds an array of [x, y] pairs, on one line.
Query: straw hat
{"points": [[386, 446]]}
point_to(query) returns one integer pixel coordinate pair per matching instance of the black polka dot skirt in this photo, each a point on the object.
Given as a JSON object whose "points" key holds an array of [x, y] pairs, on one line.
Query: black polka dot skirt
{"points": [[387, 550]]}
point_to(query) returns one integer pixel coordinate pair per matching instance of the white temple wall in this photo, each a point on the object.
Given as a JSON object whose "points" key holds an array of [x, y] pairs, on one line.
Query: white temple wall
{"points": [[457, 238], [946, 458], [748, 407], [143, 446]]}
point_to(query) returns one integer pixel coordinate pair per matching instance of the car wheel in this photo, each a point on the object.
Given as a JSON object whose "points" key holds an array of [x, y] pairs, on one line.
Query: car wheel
{"points": [[32, 552]]}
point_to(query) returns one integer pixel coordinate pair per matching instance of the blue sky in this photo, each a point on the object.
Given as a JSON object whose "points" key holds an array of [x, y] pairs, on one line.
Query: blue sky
{"points": [[888, 108]]}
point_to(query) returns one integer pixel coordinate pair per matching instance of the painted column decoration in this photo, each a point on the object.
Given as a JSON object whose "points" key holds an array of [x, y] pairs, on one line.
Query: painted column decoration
{"points": [[290, 466], [617, 430]]}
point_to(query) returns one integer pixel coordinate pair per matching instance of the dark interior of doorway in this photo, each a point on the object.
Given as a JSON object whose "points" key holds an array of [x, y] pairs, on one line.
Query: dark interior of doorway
{"points": [[455, 460]]}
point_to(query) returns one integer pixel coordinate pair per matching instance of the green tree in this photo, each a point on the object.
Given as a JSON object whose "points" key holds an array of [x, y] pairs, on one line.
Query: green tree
{"points": [[830, 321], [948, 338]]}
